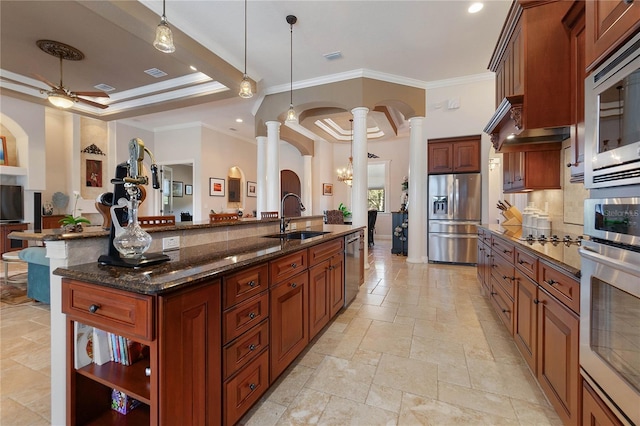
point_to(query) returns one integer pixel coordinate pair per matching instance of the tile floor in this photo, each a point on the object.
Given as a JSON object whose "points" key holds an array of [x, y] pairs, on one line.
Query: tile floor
{"points": [[419, 346]]}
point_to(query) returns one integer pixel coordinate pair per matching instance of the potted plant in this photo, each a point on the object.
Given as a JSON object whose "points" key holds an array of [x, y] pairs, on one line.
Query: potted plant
{"points": [[345, 212], [71, 222]]}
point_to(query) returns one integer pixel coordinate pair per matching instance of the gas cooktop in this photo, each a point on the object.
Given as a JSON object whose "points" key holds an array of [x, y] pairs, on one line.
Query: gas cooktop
{"points": [[567, 240]]}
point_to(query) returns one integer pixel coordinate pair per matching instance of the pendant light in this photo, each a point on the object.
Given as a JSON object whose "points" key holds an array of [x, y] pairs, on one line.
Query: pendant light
{"points": [[346, 175], [164, 37], [291, 114], [245, 84]]}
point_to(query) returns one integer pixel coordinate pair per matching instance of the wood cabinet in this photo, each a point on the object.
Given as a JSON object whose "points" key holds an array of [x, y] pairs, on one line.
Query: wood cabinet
{"points": [[594, 411], [454, 155], [532, 65], [574, 21], [539, 305], [484, 259], [289, 321], [557, 368], [530, 170], [326, 284], [179, 353], [610, 23], [52, 221], [8, 244]]}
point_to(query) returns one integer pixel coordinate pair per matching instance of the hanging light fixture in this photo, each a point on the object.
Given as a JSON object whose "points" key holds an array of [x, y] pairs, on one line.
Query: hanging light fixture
{"points": [[291, 114], [164, 37], [245, 84], [346, 174]]}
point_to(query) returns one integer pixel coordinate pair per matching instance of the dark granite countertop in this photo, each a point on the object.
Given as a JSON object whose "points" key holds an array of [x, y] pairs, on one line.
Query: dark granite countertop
{"points": [[97, 231], [195, 264], [560, 255]]}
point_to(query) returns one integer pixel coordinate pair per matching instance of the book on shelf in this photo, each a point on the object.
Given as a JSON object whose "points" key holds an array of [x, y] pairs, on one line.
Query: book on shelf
{"points": [[101, 352], [83, 336], [122, 403]]}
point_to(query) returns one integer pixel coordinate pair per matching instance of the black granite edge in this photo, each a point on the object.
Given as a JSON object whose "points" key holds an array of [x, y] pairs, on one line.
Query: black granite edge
{"points": [[499, 232], [96, 231], [193, 265]]}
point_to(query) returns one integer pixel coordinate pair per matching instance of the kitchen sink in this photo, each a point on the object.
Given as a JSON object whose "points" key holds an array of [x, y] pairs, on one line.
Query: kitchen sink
{"points": [[297, 235]]}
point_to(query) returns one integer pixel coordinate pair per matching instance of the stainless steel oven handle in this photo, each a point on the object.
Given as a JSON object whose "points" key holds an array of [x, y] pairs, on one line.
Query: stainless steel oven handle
{"points": [[616, 264]]}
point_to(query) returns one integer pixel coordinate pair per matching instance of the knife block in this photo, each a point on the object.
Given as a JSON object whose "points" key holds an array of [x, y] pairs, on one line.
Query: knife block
{"points": [[513, 216]]}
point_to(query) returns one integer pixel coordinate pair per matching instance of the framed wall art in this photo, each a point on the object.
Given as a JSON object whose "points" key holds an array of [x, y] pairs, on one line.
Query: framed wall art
{"points": [[327, 189], [94, 173], [216, 187], [3, 152], [188, 190], [252, 189], [177, 189]]}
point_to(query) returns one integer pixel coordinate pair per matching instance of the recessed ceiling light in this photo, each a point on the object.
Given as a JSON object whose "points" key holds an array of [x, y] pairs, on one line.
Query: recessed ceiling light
{"points": [[239, 120], [475, 7], [193, 68]]}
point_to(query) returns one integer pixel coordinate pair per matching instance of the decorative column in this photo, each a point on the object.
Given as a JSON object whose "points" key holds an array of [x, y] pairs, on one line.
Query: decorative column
{"points": [[273, 166], [359, 188], [417, 169], [261, 172], [307, 185]]}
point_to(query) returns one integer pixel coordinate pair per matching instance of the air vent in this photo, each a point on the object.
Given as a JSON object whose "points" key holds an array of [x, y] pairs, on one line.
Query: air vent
{"points": [[333, 56], [155, 72], [104, 87]]}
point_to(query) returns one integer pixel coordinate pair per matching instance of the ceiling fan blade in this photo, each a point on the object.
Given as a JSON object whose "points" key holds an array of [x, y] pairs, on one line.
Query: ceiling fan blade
{"points": [[88, 102], [44, 80], [92, 94]]}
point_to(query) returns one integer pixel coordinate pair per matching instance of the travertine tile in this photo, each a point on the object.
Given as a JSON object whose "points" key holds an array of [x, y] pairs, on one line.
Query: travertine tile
{"points": [[344, 378], [306, 409], [378, 313], [290, 384], [384, 397], [534, 413], [340, 411], [486, 402], [407, 375], [388, 338], [264, 413]]}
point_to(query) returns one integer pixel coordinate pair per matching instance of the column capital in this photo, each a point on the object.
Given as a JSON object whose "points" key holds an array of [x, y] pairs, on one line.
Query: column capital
{"points": [[273, 123], [416, 120], [360, 110]]}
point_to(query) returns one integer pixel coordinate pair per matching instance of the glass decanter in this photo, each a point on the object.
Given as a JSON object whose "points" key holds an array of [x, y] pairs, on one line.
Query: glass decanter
{"points": [[131, 241]]}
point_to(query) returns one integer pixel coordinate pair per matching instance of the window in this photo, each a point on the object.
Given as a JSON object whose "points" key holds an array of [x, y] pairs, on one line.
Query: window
{"points": [[378, 179]]}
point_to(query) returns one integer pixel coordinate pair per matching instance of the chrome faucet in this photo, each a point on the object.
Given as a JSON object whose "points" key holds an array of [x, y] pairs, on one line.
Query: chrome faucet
{"points": [[283, 221]]}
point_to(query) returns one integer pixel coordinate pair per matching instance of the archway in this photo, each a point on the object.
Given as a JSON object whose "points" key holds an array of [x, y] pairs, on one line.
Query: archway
{"points": [[290, 183]]}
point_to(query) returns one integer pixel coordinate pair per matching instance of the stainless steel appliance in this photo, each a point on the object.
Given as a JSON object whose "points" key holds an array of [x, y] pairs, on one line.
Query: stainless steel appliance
{"points": [[610, 303], [353, 253], [454, 213], [612, 127]]}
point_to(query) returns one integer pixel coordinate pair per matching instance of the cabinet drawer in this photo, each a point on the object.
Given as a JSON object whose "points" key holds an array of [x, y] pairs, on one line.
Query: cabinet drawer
{"points": [[502, 304], [245, 284], [245, 348], [560, 285], [502, 248], [287, 266], [504, 274], [120, 312], [527, 263], [244, 316], [243, 390], [325, 250]]}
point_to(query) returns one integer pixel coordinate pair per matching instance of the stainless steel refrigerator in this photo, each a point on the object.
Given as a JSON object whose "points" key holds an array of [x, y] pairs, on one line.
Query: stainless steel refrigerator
{"points": [[455, 203]]}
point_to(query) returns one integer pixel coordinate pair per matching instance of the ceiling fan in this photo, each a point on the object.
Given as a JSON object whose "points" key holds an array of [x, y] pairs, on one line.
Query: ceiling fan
{"points": [[59, 95]]}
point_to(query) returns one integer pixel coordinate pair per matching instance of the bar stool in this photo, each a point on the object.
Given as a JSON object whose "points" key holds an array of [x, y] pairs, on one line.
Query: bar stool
{"points": [[12, 257]]}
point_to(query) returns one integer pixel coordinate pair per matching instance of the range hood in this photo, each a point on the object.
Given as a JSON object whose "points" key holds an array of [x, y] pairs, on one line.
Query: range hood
{"points": [[507, 126]]}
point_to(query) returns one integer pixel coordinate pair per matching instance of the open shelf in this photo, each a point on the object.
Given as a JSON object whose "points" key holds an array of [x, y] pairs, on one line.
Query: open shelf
{"points": [[129, 379]]}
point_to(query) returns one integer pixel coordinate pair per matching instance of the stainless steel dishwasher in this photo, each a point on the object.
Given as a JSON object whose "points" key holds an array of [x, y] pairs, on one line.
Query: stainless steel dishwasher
{"points": [[351, 267]]}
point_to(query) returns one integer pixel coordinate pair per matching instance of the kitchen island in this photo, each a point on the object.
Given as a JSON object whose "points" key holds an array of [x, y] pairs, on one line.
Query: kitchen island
{"points": [[190, 298]]}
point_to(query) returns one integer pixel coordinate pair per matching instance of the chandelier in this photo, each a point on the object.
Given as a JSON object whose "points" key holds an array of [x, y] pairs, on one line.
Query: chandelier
{"points": [[346, 174]]}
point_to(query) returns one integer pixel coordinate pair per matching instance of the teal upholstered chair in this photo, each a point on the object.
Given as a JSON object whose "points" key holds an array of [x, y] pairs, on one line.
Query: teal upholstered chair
{"points": [[38, 286]]}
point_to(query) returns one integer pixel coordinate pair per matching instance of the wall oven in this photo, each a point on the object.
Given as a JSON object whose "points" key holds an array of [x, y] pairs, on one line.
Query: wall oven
{"points": [[610, 303], [612, 138]]}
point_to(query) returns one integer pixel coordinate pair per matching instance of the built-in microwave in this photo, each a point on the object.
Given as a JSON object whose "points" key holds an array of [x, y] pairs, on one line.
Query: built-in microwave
{"points": [[612, 120]]}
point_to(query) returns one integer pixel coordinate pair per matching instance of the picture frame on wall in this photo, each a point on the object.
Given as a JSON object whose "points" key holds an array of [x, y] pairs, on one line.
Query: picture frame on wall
{"points": [[94, 173], [3, 152], [188, 190], [216, 187], [252, 189], [177, 188], [327, 189]]}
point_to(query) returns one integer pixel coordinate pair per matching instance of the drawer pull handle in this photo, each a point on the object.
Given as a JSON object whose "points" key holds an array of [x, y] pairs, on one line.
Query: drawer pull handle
{"points": [[506, 251], [551, 282], [493, 293], [252, 347], [294, 285], [504, 311], [94, 308], [522, 262], [252, 315], [252, 283], [536, 301], [294, 265], [253, 386]]}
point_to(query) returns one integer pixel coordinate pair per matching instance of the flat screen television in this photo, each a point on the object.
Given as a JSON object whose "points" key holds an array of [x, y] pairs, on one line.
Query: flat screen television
{"points": [[11, 204]]}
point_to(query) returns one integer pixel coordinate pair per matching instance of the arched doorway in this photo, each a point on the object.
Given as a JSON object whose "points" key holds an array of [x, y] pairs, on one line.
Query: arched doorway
{"points": [[290, 183]]}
